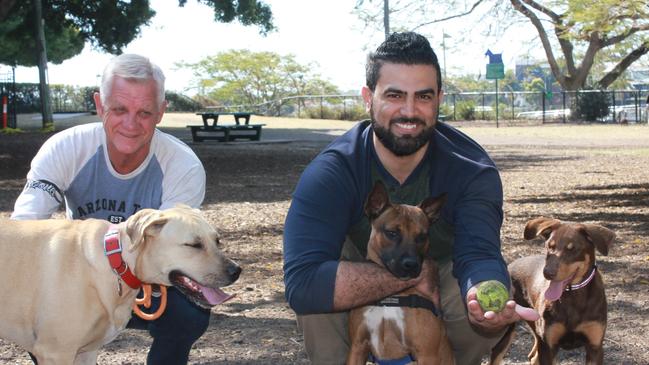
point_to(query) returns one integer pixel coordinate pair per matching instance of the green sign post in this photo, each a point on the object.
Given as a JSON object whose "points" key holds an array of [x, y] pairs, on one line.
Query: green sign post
{"points": [[495, 71]]}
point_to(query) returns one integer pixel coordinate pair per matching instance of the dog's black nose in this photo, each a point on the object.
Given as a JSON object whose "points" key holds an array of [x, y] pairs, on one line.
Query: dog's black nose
{"points": [[410, 264], [234, 271], [551, 267]]}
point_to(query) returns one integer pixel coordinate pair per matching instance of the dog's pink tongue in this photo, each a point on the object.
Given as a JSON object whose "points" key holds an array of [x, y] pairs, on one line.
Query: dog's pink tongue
{"points": [[215, 296], [555, 289]]}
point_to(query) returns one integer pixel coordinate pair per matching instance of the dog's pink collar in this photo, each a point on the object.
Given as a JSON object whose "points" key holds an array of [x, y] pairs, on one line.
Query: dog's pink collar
{"points": [[113, 251], [585, 282]]}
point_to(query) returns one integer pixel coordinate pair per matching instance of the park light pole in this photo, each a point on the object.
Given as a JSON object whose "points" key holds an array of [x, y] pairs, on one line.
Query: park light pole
{"points": [[386, 18], [444, 36]]}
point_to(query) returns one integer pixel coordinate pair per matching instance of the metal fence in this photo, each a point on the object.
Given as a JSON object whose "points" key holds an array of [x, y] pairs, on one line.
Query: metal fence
{"points": [[341, 107], [7, 90], [624, 106]]}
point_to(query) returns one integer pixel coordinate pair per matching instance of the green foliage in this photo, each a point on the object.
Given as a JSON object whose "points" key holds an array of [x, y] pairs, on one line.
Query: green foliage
{"points": [[465, 110], [535, 84], [504, 112], [584, 17], [48, 128], [510, 82], [592, 106], [19, 44], [464, 83], [248, 12], [243, 77], [572, 33], [350, 112], [107, 25], [66, 98], [11, 131], [181, 103], [446, 110]]}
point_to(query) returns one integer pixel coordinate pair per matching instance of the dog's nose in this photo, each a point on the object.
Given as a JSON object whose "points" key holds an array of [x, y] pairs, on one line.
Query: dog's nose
{"points": [[550, 269], [234, 271], [410, 264]]}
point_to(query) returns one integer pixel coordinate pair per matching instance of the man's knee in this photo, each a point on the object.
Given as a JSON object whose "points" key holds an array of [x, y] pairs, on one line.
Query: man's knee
{"points": [[468, 345], [326, 338]]}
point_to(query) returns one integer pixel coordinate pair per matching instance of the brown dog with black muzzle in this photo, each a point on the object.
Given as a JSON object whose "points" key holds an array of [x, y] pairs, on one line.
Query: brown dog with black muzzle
{"points": [[404, 326], [565, 288]]}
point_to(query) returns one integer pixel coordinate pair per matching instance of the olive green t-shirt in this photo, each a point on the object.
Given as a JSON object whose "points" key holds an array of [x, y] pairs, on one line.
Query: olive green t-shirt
{"points": [[412, 192]]}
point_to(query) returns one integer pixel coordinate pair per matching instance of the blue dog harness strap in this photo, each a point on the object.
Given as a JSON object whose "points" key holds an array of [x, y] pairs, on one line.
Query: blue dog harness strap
{"points": [[411, 301], [402, 361]]}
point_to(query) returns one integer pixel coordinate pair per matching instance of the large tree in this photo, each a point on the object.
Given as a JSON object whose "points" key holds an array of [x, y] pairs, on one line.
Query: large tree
{"points": [[108, 25], [575, 34], [243, 77]]}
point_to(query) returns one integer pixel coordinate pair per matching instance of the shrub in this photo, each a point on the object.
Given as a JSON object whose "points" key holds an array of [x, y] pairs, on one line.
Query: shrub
{"points": [[465, 110], [446, 111], [592, 106], [181, 103], [350, 112]]}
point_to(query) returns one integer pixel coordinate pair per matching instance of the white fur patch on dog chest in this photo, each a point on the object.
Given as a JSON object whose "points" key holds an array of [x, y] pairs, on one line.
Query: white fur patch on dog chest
{"points": [[374, 317]]}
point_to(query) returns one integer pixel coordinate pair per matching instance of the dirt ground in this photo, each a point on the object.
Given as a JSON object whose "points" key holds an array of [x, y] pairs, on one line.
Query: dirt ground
{"points": [[579, 173]]}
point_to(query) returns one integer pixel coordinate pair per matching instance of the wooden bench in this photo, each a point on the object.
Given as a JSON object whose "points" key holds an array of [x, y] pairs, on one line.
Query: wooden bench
{"points": [[211, 130]]}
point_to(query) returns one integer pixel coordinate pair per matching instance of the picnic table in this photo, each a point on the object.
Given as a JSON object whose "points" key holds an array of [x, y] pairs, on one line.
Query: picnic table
{"points": [[211, 129]]}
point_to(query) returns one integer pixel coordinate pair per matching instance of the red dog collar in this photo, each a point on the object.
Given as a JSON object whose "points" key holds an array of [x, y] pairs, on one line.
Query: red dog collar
{"points": [[113, 250]]}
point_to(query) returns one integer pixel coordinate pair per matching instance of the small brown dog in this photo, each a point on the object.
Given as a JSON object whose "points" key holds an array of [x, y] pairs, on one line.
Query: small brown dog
{"points": [[566, 289], [405, 325]]}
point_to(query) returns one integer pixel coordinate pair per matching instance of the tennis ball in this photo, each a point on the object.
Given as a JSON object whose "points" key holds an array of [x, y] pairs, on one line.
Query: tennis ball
{"points": [[492, 295]]}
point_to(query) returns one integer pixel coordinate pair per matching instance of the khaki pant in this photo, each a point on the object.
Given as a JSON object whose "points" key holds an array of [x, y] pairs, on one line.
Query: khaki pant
{"points": [[326, 336]]}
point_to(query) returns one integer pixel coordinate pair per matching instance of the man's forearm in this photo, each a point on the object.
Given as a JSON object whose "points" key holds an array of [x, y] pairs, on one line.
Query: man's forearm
{"points": [[359, 283]]}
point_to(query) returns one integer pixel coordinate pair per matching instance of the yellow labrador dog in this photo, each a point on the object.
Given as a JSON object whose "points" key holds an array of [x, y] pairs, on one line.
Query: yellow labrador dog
{"points": [[62, 301]]}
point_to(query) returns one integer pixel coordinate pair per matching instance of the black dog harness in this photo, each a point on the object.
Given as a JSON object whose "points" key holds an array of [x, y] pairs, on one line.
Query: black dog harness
{"points": [[411, 301]]}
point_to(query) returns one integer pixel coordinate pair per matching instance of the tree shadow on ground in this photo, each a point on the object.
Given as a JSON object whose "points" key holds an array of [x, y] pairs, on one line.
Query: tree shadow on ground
{"points": [[632, 198], [250, 332], [506, 159]]}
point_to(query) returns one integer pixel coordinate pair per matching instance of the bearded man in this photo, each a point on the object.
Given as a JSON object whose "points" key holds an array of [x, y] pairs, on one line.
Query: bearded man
{"points": [[416, 157]]}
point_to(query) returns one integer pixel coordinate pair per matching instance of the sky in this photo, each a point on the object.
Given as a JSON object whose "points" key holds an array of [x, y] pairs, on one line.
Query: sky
{"points": [[325, 33]]}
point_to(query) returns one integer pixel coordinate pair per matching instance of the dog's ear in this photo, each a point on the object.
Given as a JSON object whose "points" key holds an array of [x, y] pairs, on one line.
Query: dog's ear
{"points": [[146, 222], [377, 201], [601, 237], [432, 207], [541, 226]]}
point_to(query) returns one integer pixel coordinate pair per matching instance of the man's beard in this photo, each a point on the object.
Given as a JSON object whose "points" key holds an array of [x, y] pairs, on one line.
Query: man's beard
{"points": [[405, 145]]}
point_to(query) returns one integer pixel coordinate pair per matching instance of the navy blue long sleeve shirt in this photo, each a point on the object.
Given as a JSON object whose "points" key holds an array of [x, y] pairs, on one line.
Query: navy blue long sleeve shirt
{"points": [[331, 192]]}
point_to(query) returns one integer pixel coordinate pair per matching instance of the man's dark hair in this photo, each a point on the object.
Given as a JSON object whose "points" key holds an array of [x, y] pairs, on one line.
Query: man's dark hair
{"points": [[408, 48]]}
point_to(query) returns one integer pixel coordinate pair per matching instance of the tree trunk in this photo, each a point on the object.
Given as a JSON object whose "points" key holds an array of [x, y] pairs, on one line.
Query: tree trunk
{"points": [[613, 75], [5, 7], [46, 107]]}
